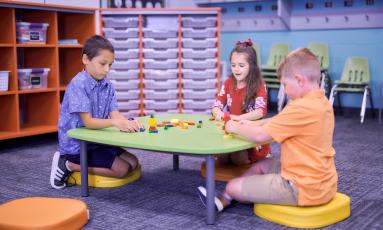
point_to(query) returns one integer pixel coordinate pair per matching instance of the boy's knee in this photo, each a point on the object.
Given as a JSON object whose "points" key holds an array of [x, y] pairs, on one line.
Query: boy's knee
{"points": [[234, 187]]}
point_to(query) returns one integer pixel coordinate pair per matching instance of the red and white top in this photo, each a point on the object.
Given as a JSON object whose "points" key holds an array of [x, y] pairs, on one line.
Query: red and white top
{"points": [[234, 98]]}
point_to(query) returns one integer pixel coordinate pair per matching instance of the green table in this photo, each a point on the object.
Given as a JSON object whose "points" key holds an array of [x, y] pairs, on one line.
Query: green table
{"points": [[206, 142]]}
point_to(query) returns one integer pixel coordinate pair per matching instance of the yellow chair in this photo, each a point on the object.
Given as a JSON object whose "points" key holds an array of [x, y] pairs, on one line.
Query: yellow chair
{"points": [[106, 182], [43, 213], [306, 217]]}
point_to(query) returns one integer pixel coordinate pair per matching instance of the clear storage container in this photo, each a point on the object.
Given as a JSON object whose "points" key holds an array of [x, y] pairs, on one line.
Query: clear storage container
{"points": [[36, 78], [28, 32]]}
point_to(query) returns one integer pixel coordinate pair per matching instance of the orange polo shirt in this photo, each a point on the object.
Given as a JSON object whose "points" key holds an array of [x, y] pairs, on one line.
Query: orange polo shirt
{"points": [[305, 131]]}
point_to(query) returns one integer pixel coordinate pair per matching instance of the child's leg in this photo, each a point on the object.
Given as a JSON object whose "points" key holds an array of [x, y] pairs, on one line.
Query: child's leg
{"points": [[263, 183], [118, 169], [223, 159], [103, 161], [240, 157], [130, 158]]}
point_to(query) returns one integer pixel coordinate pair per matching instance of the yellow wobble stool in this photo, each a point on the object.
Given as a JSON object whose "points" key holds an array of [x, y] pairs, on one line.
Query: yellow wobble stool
{"points": [[306, 217], [106, 182], [43, 213]]}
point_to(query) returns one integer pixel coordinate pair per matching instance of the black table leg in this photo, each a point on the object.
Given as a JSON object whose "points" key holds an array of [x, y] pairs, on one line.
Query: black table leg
{"points": [[84, 168]]}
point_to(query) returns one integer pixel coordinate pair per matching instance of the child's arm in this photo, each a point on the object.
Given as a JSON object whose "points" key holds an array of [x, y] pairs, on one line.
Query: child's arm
{"points": [[217, 113], [117, 115], [252, 131], [220, 102], [251, 116], [97, 123]]}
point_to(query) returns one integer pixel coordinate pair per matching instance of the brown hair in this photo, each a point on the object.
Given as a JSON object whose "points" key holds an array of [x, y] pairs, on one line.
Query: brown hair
{"points": [[95, 44], [300, 61], [254, 79]]}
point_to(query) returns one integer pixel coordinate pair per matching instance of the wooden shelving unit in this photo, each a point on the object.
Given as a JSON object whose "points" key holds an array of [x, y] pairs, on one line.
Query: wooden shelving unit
{"points": [[36, 111]]}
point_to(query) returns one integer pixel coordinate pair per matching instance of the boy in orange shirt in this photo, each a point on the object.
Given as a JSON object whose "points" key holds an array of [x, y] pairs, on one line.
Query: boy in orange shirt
{"points": [[305, 174]]}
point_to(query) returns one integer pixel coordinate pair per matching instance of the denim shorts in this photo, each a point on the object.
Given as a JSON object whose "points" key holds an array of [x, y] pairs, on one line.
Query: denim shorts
{"points": [[99, 156]]}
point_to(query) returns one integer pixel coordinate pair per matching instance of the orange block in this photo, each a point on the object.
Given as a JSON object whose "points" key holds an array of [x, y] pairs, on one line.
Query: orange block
{"points": [[43, 213]]}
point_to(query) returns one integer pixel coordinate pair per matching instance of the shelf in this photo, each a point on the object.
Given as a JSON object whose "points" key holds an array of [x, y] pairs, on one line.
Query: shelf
{"points": [[39, 57], [71, 60], [6, 45], [39, 45], [27, 91], [38, 110], [8, 62], [75, 26], [71, 46], [8, 114], [7, 25], [40, 16]]}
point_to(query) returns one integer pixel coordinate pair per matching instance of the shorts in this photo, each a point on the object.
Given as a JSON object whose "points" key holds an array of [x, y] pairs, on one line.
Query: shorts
{"points": [[99, 156], [271, 187]]}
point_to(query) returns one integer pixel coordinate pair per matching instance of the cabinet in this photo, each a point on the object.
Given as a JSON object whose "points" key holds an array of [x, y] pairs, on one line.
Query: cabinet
{"points": [[167, 60], [36, 111]]}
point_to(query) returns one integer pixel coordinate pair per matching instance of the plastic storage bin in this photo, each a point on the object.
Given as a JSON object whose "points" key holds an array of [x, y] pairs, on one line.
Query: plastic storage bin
{"points": [[199, 84], [199, 43], [198, 104], [150, 33], [161, 94], [199, 73], [197, 64], [199, 94], [120, 33], [123, 54], [130, 113], [4, 79], [163, 84], [199, 33], [160, 43], [129, 105], [204, 53], [124, 74], [160, 64], [160, 74], [128, 64], [128, 95], [33, 78], [161, 104], [124, 85], [120, 22], [28, 32], [198, 22], [160, 111], [131, 43], [160, 53]]}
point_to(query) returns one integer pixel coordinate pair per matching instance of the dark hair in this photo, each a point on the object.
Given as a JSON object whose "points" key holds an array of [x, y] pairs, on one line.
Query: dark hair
{"points": [[94, 44], [254, 79]]}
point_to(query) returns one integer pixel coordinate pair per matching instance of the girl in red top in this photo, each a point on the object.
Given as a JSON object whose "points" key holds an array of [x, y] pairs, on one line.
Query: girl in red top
{"points": [[244, 93]]}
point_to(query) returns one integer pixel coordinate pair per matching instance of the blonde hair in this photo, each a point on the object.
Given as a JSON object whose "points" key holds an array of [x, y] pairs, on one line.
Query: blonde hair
{"points": [[300, 61]]}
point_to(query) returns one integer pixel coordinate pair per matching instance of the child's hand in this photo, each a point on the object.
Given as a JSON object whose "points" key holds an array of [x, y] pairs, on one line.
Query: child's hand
{"points": [[219, 115], [231, 126], [245, 122], [127, 125], [234, 117]]}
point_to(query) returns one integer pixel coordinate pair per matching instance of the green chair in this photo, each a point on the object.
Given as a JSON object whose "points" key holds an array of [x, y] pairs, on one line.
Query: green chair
{"points": [[321, 51], [355, 79], [257, 48], [269, 71]]}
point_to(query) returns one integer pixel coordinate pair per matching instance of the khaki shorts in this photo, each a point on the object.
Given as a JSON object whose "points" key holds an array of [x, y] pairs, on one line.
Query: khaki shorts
{"points": [[270, 187]]}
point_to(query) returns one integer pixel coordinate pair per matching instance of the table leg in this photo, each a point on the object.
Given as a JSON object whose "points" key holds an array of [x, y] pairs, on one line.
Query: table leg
{"points": [[210, 187], [84, 168], [176, 162]]}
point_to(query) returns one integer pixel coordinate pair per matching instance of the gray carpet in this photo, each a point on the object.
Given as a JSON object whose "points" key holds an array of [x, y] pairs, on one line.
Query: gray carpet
{"points": [[164, 199]]}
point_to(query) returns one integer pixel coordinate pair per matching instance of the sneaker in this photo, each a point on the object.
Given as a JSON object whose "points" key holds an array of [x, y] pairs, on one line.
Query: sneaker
{"points": [[59, 171], [219, 205]]}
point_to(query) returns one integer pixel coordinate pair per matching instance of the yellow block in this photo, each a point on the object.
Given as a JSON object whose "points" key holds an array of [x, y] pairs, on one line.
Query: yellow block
{"points": [[306, 217], [43, 213], [106, 182]]}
